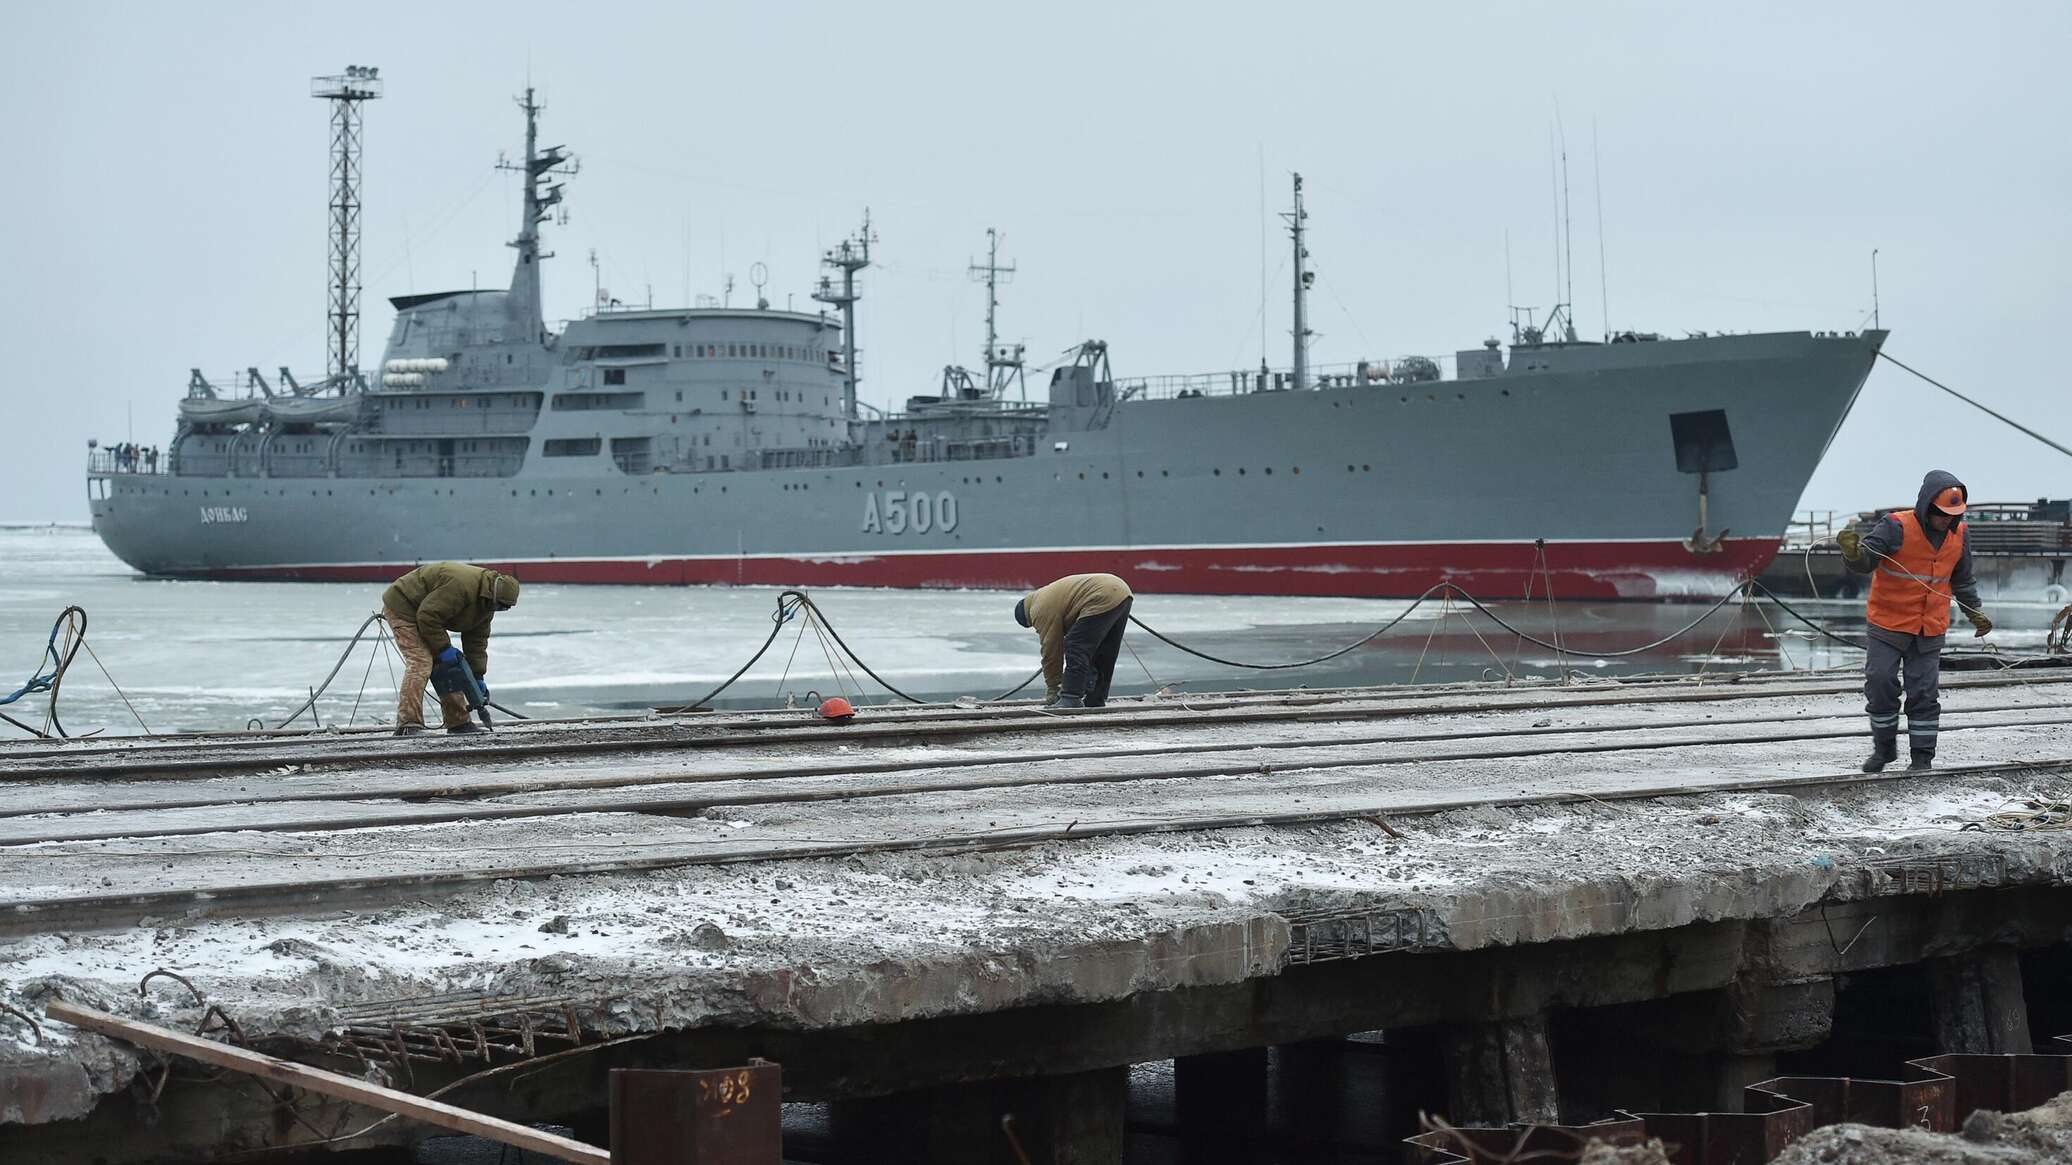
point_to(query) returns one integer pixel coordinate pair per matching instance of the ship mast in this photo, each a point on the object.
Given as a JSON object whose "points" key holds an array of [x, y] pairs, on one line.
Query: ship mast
{"points": [[539, 166], [853, 254], [1003, 361], [345, 92], [1303, 278]]}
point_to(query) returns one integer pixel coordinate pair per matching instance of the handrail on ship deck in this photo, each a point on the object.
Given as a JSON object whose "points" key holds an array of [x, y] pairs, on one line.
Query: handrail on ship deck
{"points": [[1240, 381]]}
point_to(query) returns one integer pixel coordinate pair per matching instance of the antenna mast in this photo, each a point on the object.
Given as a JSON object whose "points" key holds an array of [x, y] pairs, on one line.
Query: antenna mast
{"points": [[1568, 240], [1303, 278], [539, 166], [853, 254], [345, 92], [1604, 292], [1003, 361]]}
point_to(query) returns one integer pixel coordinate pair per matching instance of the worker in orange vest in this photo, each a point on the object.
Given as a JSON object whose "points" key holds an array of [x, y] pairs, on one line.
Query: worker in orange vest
{"points": [[1918, 563]]}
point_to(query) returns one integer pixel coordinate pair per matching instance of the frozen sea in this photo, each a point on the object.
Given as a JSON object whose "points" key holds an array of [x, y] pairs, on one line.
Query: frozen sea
{"points": [[203, 656]]}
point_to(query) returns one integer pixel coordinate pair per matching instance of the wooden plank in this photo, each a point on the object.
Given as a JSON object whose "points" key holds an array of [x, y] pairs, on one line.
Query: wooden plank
{"points": [[346, 1088], [361, 867], [801, 726], [380, 781], [689, 793]]}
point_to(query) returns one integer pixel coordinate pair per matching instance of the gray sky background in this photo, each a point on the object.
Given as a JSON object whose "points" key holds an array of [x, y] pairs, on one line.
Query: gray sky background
{"points": [[166, 202]]}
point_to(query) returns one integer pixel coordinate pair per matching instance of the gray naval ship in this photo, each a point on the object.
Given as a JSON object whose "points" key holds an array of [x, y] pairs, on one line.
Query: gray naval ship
{"points": [[719, 444]]}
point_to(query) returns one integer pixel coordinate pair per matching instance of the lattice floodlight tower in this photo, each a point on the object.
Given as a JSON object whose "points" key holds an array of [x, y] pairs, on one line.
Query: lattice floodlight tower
{"points": [[345, 92]]}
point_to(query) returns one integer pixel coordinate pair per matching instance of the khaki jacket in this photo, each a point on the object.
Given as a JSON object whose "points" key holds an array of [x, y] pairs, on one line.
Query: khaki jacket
{"points": [[448, 596], [1053, 609]]}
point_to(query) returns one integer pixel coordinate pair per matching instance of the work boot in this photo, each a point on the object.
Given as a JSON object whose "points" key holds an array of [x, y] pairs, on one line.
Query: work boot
{"points": [[1923, 758], [465, 728], [1883, 752], [409, 730], [1070, 700]]}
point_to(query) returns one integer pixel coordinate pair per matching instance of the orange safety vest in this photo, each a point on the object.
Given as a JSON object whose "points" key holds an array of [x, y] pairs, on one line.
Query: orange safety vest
{"points": [[1910, 591]]}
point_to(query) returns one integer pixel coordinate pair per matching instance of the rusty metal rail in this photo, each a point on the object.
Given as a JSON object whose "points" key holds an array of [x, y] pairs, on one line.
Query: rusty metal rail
{"points": [[183, 760], [1935, 1093]]}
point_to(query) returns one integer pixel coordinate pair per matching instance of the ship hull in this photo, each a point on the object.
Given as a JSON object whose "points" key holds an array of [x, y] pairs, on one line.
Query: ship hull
{"points": [[1354, 490]]}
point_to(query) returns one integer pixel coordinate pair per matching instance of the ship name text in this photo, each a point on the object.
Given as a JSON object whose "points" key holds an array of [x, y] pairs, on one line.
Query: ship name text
{"points": [[210, 515], [897, 511]]}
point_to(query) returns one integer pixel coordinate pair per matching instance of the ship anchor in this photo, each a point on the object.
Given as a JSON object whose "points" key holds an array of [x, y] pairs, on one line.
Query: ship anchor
{"points": [[1699, 542]]}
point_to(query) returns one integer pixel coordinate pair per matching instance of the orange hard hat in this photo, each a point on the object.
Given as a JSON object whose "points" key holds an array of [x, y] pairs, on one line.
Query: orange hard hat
{"points": [[837, 709], [1951, 501]]}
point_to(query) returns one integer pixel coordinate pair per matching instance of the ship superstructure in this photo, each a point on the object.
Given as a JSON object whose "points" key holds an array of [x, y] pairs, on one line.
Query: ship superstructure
{"points": [[727, 445]]}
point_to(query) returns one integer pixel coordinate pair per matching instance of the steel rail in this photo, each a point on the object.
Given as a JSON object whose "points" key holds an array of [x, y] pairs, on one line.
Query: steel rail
{"points": [[678, 735], [401, 791], [776, 719], [788, 718], [33, 916]]}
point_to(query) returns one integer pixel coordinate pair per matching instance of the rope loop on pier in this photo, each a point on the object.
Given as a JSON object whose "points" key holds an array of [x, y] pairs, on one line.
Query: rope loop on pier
{"points": [[67, 637]]}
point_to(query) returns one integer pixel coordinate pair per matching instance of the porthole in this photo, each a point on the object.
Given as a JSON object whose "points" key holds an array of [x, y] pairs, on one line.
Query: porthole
{"points": [[1366, 469], [1269, 471], [1240, 471], [1219, 472]]}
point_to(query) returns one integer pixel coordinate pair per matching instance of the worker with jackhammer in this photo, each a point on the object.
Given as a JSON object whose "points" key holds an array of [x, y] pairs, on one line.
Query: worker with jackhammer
{"points": [[1918, 561], [1080, 619], [421, 607]]}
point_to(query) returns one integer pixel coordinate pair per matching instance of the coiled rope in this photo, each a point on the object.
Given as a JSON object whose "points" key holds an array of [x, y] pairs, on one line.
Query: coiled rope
{"points": [[315, 693], [71, 627], [789, 604]]}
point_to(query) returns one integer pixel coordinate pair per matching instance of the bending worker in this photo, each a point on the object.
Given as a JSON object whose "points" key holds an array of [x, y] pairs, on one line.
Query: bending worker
{"points": [[1918, 562], [421, 607], [1080, 619]]}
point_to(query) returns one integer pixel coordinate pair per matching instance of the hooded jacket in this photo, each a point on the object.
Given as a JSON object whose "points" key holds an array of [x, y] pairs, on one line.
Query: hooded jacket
{"points": [[1883, 539], [452, 596]]}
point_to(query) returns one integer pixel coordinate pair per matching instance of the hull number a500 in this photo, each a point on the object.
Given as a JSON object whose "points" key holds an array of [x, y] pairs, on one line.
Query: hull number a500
{"points": [[897, 511]]}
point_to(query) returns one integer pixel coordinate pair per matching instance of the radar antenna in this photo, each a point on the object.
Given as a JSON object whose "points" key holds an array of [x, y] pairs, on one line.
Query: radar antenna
{"points": [[853, 254], [1003, 361], [345, 91]]}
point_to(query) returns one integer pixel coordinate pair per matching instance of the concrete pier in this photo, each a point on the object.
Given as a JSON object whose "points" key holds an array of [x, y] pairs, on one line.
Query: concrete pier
{"points": [[938, 917]]}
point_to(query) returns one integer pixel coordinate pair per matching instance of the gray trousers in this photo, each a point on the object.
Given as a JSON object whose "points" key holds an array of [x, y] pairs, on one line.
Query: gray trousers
{"points": [[1896, 665]]}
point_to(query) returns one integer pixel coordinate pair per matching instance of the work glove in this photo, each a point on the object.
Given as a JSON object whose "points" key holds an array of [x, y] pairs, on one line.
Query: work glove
{"points": [[449, 657], [1978, 620], [1851, 542]]}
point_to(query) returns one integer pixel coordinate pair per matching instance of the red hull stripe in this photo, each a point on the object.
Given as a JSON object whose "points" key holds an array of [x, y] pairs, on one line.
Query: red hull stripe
{"points": [[1491, 570]]}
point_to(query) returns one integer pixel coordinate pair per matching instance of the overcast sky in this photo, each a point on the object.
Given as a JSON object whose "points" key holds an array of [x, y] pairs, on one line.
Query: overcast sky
{"points": [[165, 206]]}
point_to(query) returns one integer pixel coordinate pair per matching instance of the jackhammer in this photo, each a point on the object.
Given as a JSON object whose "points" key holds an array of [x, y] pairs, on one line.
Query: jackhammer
{"points": [[453, 675]]}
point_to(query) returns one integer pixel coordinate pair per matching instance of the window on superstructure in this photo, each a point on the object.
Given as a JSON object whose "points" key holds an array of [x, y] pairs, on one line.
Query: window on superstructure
{"points": [[615, 376], [573, 446]]}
